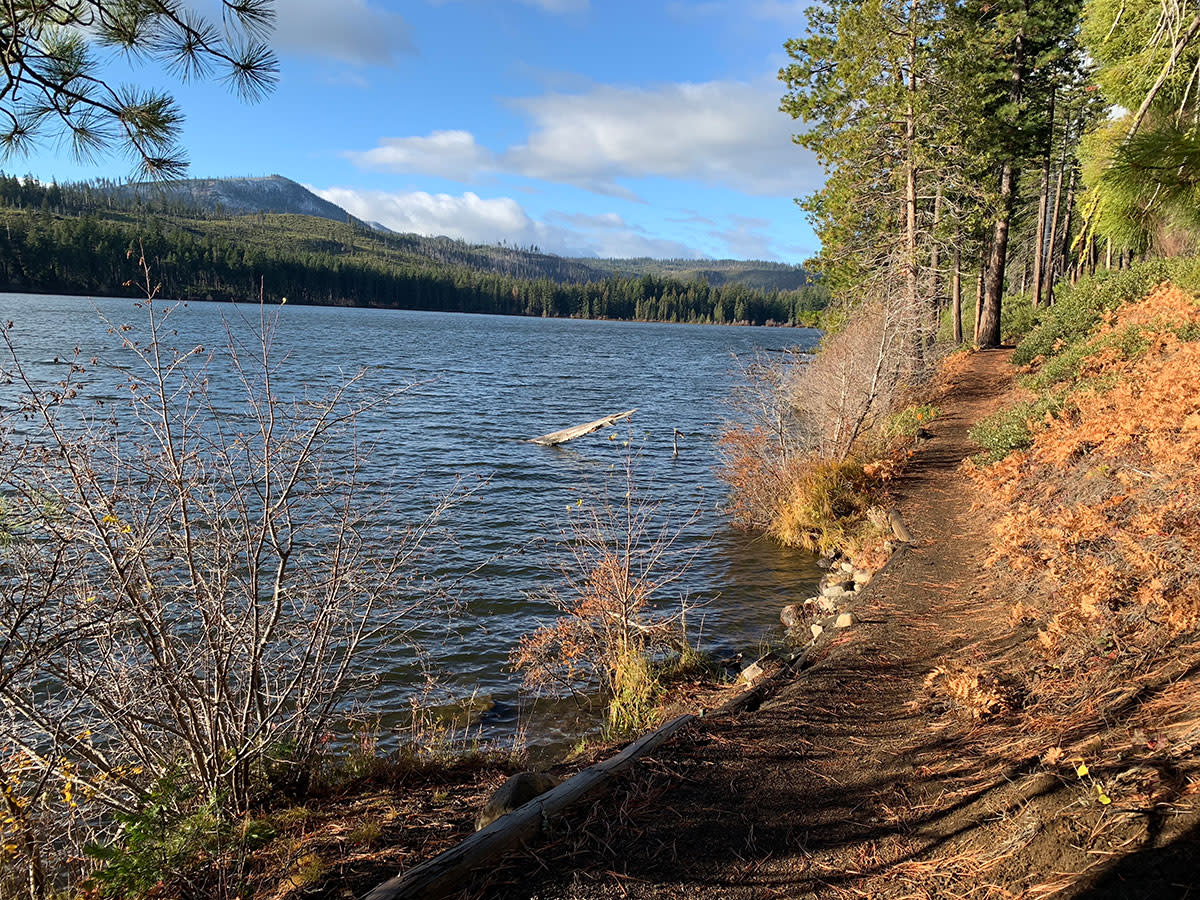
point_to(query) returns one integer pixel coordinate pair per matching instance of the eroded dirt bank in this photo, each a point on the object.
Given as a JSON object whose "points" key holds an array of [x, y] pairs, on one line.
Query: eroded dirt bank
{"points": [[908, 759]]}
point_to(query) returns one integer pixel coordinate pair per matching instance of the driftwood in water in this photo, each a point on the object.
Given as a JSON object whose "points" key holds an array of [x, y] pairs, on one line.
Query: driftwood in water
{"points": [[445, 874], [569, 434]]}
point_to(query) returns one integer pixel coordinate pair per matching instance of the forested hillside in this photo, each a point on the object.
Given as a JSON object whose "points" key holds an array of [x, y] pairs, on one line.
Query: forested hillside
{"points": [[75, 239]]}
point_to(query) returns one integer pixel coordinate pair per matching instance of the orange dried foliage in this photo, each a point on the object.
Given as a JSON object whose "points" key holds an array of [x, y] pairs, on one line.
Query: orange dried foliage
{"points": [[950, 372], [758, 475], [977, 692], [1104, 508], [1165, 307]]}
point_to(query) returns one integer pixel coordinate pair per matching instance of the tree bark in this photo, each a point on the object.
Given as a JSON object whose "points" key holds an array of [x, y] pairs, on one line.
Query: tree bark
{"points": [[1066, 235], [956, 292], [910, 161], [445, 875], [1043, 208], [978, 300], [993, 287], [935, 255], [1052, 242]]}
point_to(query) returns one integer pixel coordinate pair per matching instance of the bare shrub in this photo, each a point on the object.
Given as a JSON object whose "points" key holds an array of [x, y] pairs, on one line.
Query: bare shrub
{"points": [[800, 421], [616, 618], [192, 585]]}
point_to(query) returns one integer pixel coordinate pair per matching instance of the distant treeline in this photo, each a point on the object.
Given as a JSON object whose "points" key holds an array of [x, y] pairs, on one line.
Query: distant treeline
{"points": [[79, 239]]}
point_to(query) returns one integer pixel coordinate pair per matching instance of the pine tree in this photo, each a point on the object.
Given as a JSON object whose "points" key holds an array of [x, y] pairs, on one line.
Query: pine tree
{"points": [[1007, 57], [54, 86]]}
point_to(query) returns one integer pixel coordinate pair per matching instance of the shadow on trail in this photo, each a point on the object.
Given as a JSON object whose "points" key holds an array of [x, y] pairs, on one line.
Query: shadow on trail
{"points": [[1165, 872]]}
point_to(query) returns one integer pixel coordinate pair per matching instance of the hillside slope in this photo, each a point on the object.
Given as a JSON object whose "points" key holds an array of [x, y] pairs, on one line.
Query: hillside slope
{"points": [[217, 200]]}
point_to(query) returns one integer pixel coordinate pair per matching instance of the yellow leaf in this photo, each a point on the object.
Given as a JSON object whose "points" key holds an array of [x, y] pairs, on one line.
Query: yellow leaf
{"points": [[1082, 769]]}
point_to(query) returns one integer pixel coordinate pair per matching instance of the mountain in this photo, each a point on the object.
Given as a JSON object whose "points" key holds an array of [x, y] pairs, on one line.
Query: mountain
{"points": [[275, 194], [237, 197]]}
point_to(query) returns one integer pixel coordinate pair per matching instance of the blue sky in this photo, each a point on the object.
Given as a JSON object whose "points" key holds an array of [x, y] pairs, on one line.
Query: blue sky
{"points": [[585, 127]]}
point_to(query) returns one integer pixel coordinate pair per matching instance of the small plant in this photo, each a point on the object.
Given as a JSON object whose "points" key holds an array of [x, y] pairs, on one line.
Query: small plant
{"points": [[904, 425], [616, 619], [158, 843], [1013, 428], [824, 504], [366, 834]]}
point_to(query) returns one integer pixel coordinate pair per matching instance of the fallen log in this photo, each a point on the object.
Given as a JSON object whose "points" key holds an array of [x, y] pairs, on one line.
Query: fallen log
{"points": [[446, 873], [569, 434], [899, 529]]}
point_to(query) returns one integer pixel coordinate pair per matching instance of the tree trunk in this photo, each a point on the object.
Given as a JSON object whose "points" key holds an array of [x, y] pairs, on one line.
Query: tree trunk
{"points": [[956, 292], [1066, 235], [993, 286], [910, 162], [447, 874], [935, 255], [1052, 243], [1043, 207], [978, 302]]}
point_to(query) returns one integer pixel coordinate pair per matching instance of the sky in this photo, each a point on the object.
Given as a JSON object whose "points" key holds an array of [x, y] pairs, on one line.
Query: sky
{"points": [[583, 127]]}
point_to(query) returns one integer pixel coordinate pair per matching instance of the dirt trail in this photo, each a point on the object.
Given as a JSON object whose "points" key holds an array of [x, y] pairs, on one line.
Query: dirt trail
{"points": [[853, 779]]}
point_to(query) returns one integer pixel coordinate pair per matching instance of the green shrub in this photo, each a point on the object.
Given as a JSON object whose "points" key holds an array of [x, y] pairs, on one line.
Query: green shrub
{"points": [[1079, 308], [173, 838], [903, 426], [158, 843], [1013, 428], [1065, 366], [1017, 318]]}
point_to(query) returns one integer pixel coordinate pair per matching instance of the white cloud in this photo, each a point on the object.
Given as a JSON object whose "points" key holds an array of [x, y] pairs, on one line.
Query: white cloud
{"points": [[729, 134], [447, 154], [746, 238], [591, 222], [488, 221], [468, 216], [720, 133], [353, 31]]}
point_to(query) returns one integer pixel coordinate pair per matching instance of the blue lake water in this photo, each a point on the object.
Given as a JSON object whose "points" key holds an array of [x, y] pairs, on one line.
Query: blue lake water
{"points": [[478, 388]]}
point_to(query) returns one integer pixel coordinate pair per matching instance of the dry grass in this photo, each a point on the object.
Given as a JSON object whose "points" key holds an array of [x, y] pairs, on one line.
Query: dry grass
{"points": [[981, 694], [1103, 510]]}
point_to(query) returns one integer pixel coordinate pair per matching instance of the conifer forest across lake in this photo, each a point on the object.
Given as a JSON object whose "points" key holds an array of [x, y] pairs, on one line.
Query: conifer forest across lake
{"points": [[478, 387]]}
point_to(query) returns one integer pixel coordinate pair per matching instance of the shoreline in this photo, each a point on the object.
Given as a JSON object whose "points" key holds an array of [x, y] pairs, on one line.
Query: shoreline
{"points": [[141, 298]]}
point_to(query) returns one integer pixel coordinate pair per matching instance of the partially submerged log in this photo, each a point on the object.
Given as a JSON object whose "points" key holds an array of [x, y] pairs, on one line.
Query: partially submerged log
{"points": [[445, 874], [569, 434]]}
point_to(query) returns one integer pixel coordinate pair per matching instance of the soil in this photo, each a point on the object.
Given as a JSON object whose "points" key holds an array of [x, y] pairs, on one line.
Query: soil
{"points": [[909, 758]]}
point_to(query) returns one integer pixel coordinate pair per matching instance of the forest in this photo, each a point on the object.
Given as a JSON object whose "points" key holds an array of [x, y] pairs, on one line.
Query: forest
{"points": [[78, 239], [984, 148]]}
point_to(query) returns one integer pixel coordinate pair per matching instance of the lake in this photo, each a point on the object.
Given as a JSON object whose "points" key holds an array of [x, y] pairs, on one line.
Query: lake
{"points": [[481, 386]]}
